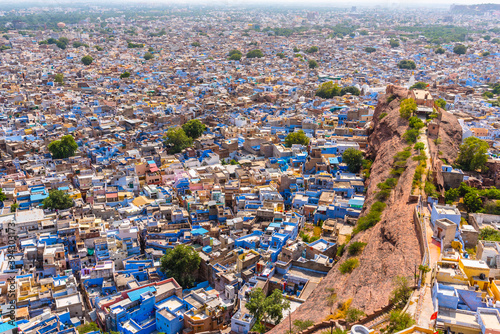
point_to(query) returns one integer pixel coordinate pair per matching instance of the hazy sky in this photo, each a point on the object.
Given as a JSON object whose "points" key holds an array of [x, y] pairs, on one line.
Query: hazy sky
{"points": [[232, 3]]}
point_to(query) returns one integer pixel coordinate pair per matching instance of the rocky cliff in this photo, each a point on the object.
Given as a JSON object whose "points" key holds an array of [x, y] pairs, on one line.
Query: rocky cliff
{"points": [[392, 246]]}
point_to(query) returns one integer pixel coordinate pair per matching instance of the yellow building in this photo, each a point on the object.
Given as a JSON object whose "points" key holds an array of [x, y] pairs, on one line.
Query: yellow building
{"points": [[476, 271]]}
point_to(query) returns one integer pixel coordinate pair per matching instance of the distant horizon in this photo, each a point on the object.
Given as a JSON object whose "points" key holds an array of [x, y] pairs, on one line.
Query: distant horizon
{"points": [[241, 3]]}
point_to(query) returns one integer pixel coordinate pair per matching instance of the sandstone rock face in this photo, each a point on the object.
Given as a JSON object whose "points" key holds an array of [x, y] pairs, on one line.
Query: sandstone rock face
{"points": [[446, 147], [392, 245], [450, 138]]}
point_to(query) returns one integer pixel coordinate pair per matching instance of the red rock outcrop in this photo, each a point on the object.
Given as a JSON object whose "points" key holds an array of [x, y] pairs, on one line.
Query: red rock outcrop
{"points": [[392, 245]]}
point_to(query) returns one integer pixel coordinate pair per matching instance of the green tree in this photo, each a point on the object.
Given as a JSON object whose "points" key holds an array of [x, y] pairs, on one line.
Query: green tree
{"points": [[411, 135], [313, 63], [416, 123], [236, 56], [131, 45], [177, 140], [349, 265], [327, 90], [300, 325], [407, 64], [296, 49], [233, 52], [63, 148], [440, 51], [353, 314], [312, 49], [281, 55], [148, 56], [353, 158], [350, 90], [196, 44], [59, 78], [489, 234], [77, 44], [194, 128], [331, 298], [394, 43], [419, 85], [2, 195], [485, 54], [255, 54], [125, 75], [473, 202], [267, 309], [473, 154], [181, 263], [370, 49], [451, 195], [441, 103], [398, 320], [487, 37], [14, 207], [460, 49], [98, 48], [363, 32], [88, 327], [298, 137], [424, 269], [407, 107], [87, 60], [58, 200], [487, 95], [401, 291], [356, 248]]}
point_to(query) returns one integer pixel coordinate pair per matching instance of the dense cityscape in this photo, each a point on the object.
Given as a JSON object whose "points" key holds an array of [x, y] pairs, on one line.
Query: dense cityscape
{"points": [[249, 168]]}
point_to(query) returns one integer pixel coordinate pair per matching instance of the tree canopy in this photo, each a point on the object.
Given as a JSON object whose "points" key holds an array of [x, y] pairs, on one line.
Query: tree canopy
{"points": [[2, 195], [148, 56], [88, 327], [125, 75], [398, 320], [327, 90], [460, 49], [177, 140], [59, 78], [313, 63], [63, 148], [194, 128], [473, 154], [353, 159], [181, 263], [312, 49], [406, 64], [235, 56], [440, 51], [255, 54], [57, 199], [87, 60], [407, 107], [441, 103], [394, 43], [419, 85], [235, 52], [350, 90], [267, 309], [370, 49], [296, 138]]}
